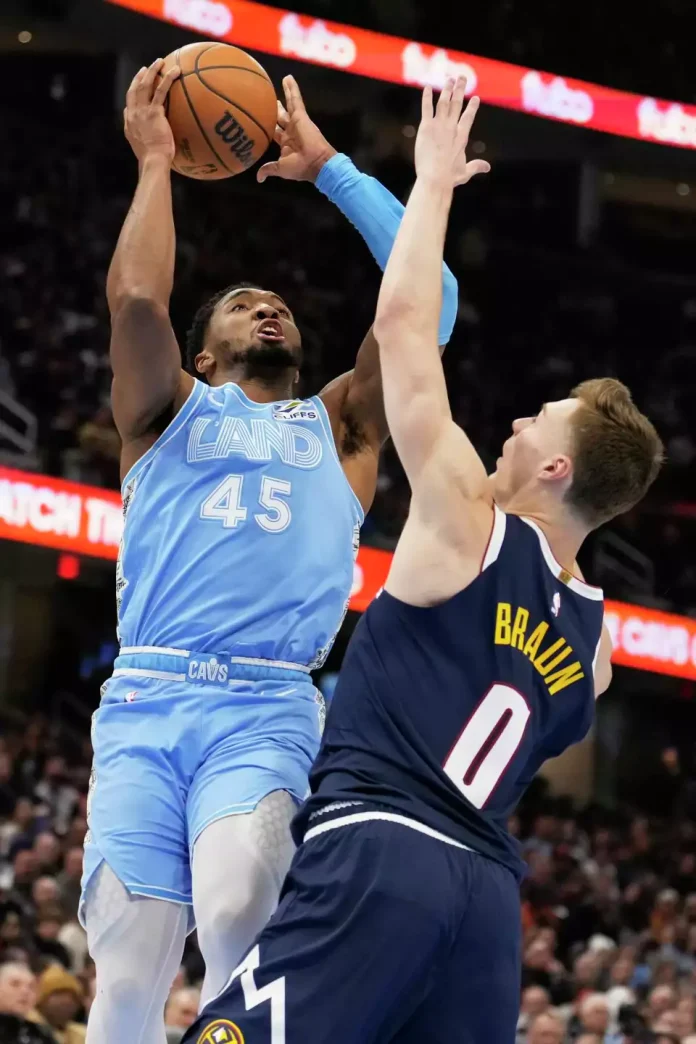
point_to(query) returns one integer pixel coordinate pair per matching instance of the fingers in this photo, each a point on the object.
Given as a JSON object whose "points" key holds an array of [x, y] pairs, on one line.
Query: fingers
{"points": [[164, 84], [145, 88], [135, 83], [427, 105], [282, 118], [458, 95], [467, 119], [443, 102], [293, 98], [449, 105], [269, 170], [473, 168]]}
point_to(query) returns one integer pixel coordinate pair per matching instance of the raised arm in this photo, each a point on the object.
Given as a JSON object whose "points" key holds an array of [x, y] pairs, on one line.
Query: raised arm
{"points": [[354, 400], [145, 357], [445, 473]]}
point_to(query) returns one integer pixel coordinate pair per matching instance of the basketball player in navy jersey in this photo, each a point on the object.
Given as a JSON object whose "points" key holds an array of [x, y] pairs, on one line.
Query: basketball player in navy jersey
{"points": [[400, 918], [242, 509]]}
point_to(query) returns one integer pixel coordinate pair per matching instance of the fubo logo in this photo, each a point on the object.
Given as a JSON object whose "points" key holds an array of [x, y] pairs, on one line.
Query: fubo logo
{"points": [[207, 16]]}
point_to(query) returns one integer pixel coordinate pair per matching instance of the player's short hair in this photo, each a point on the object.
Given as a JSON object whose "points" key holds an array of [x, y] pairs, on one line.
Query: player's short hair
{"points": [[617, 452], [195, 336]]}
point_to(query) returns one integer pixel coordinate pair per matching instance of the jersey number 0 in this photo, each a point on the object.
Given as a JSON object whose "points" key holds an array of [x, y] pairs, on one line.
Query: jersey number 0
{"points": [[487, 743]]}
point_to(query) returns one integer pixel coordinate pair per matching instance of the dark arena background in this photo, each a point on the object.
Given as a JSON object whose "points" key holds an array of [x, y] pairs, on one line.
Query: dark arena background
{"points": [[576, 258]]}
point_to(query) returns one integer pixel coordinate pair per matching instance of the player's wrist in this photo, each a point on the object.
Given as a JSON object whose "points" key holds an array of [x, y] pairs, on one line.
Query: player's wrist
{"points": [[315, 168], [155, 160], [437, 185]]}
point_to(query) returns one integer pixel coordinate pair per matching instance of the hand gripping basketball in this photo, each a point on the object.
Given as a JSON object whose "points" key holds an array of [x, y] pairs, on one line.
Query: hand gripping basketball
{"points": [[146, 126], [444, 135]]}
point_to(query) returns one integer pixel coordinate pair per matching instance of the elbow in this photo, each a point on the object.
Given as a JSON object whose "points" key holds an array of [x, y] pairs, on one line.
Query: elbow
{"points": [[136, 304], [392, 320]]}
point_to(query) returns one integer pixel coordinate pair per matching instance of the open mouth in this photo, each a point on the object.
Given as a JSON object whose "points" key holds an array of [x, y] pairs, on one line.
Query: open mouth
{"points": [[270, 330]]}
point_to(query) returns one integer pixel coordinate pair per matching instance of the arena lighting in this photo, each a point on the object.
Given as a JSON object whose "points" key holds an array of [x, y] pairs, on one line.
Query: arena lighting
{"points": [[87, 520], [68, 567], [276, 31]]}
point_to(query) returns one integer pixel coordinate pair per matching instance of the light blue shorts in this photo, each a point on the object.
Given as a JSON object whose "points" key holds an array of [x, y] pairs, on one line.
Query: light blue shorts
{"points": [[181, 741]]}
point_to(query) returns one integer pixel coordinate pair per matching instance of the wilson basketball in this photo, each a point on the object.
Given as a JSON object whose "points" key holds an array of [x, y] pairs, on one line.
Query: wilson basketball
{"points": [[222, 110]]}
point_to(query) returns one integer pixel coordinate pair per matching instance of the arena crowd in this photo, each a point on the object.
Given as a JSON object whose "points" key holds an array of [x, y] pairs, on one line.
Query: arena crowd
{"points": [[609, 911]]}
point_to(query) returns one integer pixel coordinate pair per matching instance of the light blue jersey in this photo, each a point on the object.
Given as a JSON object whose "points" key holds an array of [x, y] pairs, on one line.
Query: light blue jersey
{"points": [[233, 578], [240, 532]]}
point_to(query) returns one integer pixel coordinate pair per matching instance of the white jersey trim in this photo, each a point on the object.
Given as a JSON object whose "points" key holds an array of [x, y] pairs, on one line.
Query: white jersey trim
{"points": [[326, 425], [244, 398], [197, 393], [281, 664], [576, 585], [390, 817], [495, 541], [140, 672], [127, 650]]}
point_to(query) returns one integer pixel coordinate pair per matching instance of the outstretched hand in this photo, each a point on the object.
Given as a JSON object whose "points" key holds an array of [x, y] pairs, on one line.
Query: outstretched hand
{"points": [[443, 137], [303, 148]]}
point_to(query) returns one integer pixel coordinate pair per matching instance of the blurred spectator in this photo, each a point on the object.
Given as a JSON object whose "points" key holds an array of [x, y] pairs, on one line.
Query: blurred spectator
{"points": [[18, 989], [546, 1029], [57, 793], [18, 828], [45, 890], [20, 881], [594, 1016], [17, 995], [49, 921], [660, 1000], [181, 1009], [59, 1001], [47, 851], [535, 1001]]}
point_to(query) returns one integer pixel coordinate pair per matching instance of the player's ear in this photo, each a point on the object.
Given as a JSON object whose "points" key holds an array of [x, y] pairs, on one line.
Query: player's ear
{"points": [[296, 379], [556, 468], [205, 363]]}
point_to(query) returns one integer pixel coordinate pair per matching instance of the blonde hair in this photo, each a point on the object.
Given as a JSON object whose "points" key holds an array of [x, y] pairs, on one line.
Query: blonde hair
{"points": [[616, 451]]}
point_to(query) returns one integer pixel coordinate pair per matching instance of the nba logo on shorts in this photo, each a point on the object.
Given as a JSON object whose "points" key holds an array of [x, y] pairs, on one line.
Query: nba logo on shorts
{"points": [[221, 1032], [130, 696]]}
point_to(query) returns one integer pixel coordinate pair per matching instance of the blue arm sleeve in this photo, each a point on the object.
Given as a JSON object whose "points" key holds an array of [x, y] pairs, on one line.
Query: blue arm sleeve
{"points": [[377, 215]]}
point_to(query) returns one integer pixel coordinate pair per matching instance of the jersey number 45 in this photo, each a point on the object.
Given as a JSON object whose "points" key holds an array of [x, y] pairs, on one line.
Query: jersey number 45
{"points": [[225, 504]]}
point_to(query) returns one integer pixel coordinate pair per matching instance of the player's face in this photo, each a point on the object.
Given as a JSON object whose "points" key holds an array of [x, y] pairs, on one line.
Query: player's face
{"points": [[538, 451], [256, 324]]}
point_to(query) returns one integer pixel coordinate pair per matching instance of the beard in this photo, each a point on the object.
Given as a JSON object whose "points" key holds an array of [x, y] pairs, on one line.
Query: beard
{"points": [[263, 362]]}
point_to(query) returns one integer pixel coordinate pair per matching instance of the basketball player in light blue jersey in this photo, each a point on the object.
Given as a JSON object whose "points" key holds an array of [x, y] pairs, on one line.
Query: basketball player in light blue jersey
{"points": [[243, 506]]}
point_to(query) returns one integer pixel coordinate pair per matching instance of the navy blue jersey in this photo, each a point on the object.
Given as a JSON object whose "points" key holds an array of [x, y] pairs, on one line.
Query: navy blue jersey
{"points": [[445, 714]]}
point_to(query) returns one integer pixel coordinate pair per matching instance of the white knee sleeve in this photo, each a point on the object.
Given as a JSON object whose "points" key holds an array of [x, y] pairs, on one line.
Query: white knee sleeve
{"points": [[239, 864], [137, 944]]}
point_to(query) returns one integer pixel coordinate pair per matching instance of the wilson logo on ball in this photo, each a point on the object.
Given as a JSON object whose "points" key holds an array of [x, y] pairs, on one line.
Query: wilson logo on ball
{"points": [[233, 135]]}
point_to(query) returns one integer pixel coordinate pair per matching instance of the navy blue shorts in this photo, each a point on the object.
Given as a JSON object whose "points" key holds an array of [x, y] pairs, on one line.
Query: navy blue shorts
{"points": [[384, 934]]}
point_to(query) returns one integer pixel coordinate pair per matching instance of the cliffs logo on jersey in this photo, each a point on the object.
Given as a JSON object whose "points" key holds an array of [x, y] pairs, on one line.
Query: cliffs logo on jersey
{"points": [[296, 410], [221, 1032]]}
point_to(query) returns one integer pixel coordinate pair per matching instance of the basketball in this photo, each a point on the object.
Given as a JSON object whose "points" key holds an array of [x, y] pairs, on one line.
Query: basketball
{"points": [[222, 110]]}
